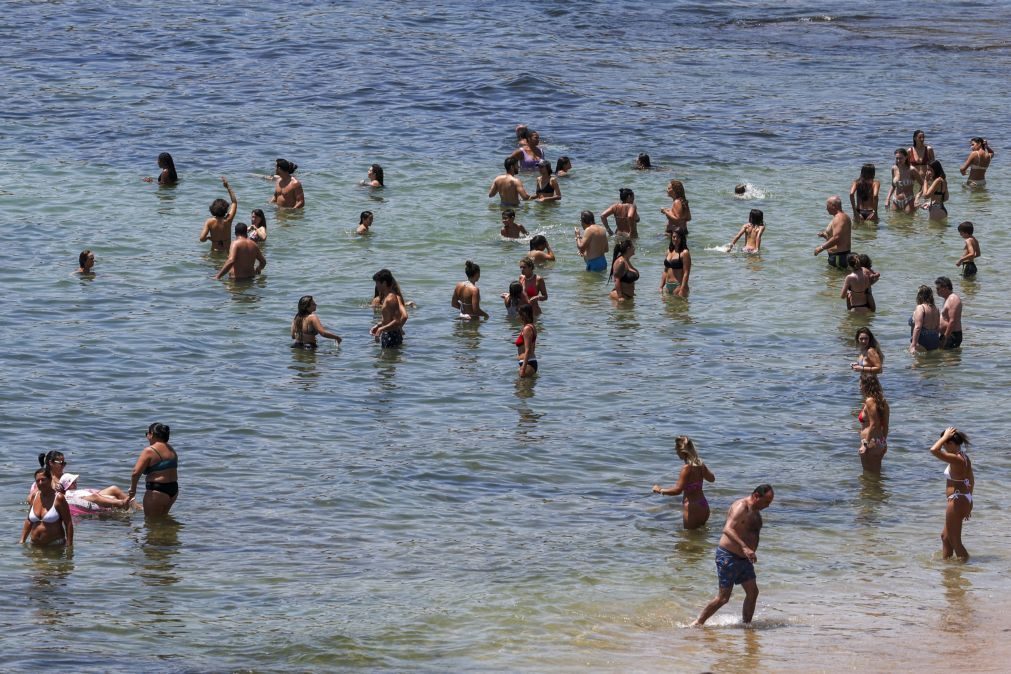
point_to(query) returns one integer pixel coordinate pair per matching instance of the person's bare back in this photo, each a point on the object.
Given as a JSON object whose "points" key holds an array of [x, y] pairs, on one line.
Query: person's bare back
{"points": [[245, 259], [218, 227]]}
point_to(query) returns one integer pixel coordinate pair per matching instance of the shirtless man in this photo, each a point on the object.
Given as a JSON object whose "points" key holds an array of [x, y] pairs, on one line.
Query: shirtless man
{"points": [[951, 314], [836, 234], [287, 188], [218, 227], [510, 228], [86, 260], [592, 243], [242, 256], [735, 556], [509, 188], [389, 331]]}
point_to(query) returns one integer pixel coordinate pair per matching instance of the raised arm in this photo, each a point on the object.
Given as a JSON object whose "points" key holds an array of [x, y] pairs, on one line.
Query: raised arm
{"points": [[234, 208], [940, 452]]}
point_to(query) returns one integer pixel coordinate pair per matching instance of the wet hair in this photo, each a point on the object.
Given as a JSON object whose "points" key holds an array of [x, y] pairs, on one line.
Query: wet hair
{"points": [[510, 213], [740, 189], [865, 260], [680, 235], [544, 163], [46, 458], [762, 489], [384, 276], [159, 432], [904, 152], [586, 217], [867, 171], [286, 166], [958, 437], [526, 312], [377, 171], [943, 282], [678, 188], [304, 304], [527, 261], [515, 294], [563, 163], [44, 471], [935, 166], [219, 208], [626, 195], [756, 217], [870, 387], [917, 133], [643, 162], [471, 269], [362, 217], [834, 199], [853, 261], [924, 295], [538, 241], [241, 229], [165, 162], [258, 212], [82, 259], [511, 163], [522, 132], [872, 341], [620, 249], [685, 449]]}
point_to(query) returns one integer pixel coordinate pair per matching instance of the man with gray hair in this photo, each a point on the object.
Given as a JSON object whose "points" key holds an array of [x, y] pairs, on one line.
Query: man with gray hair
{"points": [[951, 314], [837, 234]]}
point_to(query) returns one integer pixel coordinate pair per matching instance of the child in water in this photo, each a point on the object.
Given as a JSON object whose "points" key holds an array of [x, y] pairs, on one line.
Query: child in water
{"points": [[970, 252], [752, 232]]}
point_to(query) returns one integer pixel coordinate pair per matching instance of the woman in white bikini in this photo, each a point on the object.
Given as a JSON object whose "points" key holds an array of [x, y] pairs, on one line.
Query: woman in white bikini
{"points": [[900, 196], [959, 485], [467, 296], [977, 163], [48, 521]]}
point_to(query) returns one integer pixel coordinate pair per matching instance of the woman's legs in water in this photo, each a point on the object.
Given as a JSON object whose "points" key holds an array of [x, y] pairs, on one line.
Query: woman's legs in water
{"points": [[695, 515], [157, 504], [951, 536]]}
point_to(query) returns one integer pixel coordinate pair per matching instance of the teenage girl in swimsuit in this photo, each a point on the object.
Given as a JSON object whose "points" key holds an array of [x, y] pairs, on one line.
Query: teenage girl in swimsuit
{"points": [[467, 296], [306, 325], [563, 166], [514, 299], [626, 215], [925, 322], [856, 286], [677, 266], [168, 175], [977, 162], [530, 154], [871, 360], [533, 285], [679, 213], [864, 193], [959, 485], [48, 521], [935, 191], [900, 195], [257, 226], [159, 463], [689, 485], [547, 184], [920, 154], [526, 343], [374, 177], [622, 271], [365, 219], [752, 232], [873, 418]]}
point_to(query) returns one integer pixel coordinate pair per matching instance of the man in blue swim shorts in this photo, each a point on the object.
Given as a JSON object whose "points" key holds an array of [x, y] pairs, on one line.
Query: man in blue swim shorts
{"points": [[735, 556], [592, 243]]}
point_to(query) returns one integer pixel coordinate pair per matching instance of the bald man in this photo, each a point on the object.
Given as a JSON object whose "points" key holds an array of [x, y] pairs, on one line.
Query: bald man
{"points": [[837, 234]]}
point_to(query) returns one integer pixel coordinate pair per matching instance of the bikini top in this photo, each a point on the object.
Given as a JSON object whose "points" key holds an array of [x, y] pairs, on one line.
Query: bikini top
{"points": [[530, 287], [547, 189], [52, 515], [530, 159], [947, 471], [630, 276], [519, 340], [164, 464], [676, 263]]}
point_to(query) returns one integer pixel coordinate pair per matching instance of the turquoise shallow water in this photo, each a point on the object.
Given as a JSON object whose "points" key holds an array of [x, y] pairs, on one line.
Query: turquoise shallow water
{"points": [[423, 509]]}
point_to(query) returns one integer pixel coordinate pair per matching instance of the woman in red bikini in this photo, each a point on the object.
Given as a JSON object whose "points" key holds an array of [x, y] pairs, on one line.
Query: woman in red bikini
{"points": [[689, 484]]}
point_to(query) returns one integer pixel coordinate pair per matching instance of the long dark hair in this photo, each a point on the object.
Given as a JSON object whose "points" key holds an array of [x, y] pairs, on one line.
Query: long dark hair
{"points": [[872, 341], [377, 171], [935, 166], [516, 294], [258, 212], [620, 249], [682, 239], [165, 162]]}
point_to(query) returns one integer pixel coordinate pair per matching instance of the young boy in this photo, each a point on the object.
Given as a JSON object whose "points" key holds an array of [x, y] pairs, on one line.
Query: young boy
{"points": [[971, 252], [510, 228]]}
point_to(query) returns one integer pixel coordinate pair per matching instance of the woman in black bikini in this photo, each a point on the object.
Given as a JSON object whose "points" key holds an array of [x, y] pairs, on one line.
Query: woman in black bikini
{"points": [[856, 287], [547, 184], [864, 193], [306, 325], [677, 266], [159, 463], [689, 485], [622, 271], [935, 191]]}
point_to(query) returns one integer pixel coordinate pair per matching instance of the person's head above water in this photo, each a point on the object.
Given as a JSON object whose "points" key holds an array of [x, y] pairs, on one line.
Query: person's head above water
{"points": [[285, 166], [241, 229], [586, 217], [539, 242], [376, 172], [740, 189], [626, 195], [166, 164], [512, 165]]}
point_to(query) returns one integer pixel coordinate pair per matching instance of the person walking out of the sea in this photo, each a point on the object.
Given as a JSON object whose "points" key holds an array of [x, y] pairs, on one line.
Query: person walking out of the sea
{"points": [[837, 234], [735, 556]]}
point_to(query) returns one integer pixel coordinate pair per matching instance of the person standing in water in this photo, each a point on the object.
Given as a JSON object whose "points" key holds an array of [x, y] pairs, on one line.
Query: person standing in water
{"points": [[508, 187], [168, 175], [626, 216], [971, 251], [735, 556], [592, 243], [389, 331], [977, 163], [873, 418], [159, 465], [467, 296], [242, 256], [837, 234], [218, 227], [287, 188], [305, 326], [951, 314], [752, 232], [959, 485], [689, 485]]}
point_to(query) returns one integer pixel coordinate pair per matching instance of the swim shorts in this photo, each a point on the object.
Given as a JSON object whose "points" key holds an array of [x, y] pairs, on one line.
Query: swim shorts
{"points": [[597, 264], [954, 341], [731, 569], [391, 338], [838, 259]]}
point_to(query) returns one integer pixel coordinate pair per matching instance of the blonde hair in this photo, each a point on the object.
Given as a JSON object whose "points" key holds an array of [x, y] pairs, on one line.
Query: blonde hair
{"points": [[686, 451]]}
